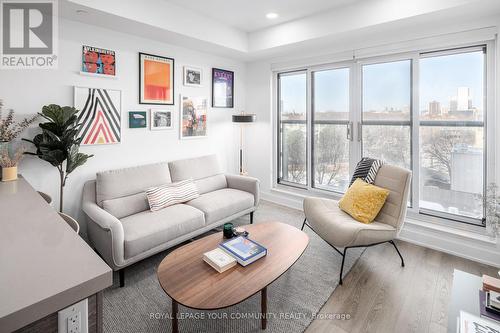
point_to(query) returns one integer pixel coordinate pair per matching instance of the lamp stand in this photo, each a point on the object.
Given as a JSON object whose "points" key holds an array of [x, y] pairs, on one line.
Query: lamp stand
{"points": [[242, 171]]}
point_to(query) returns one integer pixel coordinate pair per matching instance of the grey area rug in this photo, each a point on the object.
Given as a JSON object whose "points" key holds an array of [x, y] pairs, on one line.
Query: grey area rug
{"points": [[293, 299]]}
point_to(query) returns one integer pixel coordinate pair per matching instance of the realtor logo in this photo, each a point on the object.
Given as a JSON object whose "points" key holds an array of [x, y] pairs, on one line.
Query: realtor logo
{"points": [[29, 34]]}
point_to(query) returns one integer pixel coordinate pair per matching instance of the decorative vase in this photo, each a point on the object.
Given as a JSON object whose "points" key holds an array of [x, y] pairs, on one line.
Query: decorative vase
{"points": [[9, 174]]}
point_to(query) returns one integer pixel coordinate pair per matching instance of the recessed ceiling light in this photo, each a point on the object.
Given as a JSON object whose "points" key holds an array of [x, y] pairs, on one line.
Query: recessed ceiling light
{"points": [[271, 16]]}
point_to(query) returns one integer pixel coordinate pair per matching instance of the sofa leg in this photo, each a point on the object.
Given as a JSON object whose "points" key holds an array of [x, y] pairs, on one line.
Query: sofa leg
{"points": [[121, 273], [342, 267], [397, 250], [251, 218]]}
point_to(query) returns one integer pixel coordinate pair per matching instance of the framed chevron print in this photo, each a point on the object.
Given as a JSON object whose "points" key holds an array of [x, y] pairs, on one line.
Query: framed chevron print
{"points": [[99, 115]]}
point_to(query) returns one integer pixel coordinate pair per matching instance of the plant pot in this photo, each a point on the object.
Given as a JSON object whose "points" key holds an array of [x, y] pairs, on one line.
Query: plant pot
{"points": [[9, 174]]}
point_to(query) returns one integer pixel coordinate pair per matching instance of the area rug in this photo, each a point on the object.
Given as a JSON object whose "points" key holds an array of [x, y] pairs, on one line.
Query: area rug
{"points": [[293, 299]]}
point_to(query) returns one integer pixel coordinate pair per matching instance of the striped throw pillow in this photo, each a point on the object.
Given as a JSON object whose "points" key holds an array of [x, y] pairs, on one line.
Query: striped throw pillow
{"points": [[171, 194], [366, 169]]}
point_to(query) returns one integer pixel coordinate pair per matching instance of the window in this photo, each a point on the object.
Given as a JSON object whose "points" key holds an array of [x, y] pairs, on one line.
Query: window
{"points": [[452, 133], [386, 114], [293, 128], [330, 128], [422, 111]]}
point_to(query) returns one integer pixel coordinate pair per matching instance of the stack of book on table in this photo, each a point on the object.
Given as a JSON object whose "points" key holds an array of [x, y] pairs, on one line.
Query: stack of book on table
{"points": [[239, 250], [489, 306]]}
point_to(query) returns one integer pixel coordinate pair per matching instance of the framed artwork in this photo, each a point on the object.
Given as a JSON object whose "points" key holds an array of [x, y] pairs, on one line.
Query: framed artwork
{"points": [[222, 88], [193, 76], [193, 117], [99, 115], [100, 62], [161, 120], [156, 75], [137, 119]]}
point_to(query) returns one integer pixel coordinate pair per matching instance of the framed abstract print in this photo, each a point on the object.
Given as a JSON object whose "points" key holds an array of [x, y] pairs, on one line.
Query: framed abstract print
{"points": [[99, 115], [222, 88], [156, 75]]}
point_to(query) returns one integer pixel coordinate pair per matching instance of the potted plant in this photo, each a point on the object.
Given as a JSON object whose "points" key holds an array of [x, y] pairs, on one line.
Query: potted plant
{"points": [[9, 164], [58, 143], [10, 129]]}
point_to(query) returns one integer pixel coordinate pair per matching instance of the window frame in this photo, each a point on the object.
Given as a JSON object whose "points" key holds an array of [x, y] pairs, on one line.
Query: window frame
{"points": [[355, 111], [279, 131], [349, 122]]}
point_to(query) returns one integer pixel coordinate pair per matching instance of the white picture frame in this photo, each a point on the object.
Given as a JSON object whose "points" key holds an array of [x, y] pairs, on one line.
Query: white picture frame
{"points": [[160, 120], [193, 76], [100, 115], [193, 122]]}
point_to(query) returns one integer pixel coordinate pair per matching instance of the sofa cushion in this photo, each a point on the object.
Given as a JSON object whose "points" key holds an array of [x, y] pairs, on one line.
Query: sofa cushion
{"points": [[119, 183], [204, 170], [125, 206], [146, 230], [212, 183], [222, 203]]}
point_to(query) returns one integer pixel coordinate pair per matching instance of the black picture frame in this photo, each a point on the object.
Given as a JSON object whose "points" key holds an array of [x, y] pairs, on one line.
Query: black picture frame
{"points": [[229, 98], [141, 97]]}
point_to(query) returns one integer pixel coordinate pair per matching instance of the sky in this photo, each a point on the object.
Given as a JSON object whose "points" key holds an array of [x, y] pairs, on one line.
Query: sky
{"points": [[388, 84]]}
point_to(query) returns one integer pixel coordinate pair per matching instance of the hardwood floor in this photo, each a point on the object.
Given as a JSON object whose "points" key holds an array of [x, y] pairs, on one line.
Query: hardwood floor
{"points": [[381, 296]]}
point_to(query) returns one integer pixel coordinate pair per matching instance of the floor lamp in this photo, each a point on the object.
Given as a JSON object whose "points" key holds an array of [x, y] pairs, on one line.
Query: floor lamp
{"points": [[243, 119]]}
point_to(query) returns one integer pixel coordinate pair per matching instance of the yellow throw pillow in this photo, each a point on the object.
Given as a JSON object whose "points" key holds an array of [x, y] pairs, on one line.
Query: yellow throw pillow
{"points": [[363, 201]]}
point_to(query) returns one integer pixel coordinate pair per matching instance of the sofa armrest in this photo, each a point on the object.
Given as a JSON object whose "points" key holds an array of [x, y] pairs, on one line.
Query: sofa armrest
{"points": [[106, 222], [245, 183]]}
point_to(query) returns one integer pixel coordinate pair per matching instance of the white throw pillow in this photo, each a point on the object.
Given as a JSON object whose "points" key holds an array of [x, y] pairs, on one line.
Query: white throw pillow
{"points": [[171, 194]]}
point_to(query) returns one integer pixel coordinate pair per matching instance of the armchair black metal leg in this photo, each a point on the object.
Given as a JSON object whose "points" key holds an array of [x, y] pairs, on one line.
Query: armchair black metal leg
{"points": [[121, 272], [251, 218], [342, 267], [397, 250], [303, 224]]}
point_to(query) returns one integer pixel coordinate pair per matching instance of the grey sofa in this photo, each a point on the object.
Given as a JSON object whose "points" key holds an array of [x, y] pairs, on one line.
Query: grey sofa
{"points": [[123, 230]]}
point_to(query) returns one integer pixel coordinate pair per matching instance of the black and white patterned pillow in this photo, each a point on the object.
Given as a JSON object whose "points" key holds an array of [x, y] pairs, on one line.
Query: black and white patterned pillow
{"points": [[366, 169]]}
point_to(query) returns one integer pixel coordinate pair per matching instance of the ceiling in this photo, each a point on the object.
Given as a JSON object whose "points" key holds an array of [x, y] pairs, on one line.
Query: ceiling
{"points": [[250, 15]]}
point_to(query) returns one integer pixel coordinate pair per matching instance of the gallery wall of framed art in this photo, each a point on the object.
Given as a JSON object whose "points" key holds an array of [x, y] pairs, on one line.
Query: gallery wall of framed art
{"points": [[129, 145]]}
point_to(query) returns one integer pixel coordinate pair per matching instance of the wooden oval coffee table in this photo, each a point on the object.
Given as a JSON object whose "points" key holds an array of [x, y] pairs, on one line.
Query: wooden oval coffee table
{"points": [[191, 282]]}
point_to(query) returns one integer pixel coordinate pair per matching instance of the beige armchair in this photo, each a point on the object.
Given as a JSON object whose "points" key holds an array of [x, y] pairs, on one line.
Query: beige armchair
{"points": [[340, 230]]}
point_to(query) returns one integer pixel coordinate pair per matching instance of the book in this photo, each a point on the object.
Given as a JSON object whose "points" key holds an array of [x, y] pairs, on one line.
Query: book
{"points": [[219, 260], [491, 283], [244, 250], [484, 308], [474, 324]]}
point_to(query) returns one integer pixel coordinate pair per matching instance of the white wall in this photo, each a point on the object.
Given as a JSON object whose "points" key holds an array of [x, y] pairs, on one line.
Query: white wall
{"points": [[26, 91]]}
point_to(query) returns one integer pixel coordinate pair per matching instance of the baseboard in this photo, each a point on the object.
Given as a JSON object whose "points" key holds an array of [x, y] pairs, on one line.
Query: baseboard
{"points": [[473, 247]]}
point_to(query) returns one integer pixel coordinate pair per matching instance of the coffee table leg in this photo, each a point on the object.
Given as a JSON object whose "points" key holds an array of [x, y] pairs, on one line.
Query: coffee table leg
{"points": [[175, 323], [263, 307]]}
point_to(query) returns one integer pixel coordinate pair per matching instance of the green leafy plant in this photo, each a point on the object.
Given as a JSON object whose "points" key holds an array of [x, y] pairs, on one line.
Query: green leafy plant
{"points": [[58, 143]]}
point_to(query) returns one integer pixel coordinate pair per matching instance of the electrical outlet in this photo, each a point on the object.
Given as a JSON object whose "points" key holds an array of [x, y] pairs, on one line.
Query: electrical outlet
{"points": [[74, 319]]}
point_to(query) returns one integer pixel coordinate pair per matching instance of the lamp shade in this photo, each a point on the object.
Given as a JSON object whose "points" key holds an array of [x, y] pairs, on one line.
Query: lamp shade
{"points": [[244, 118]]}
